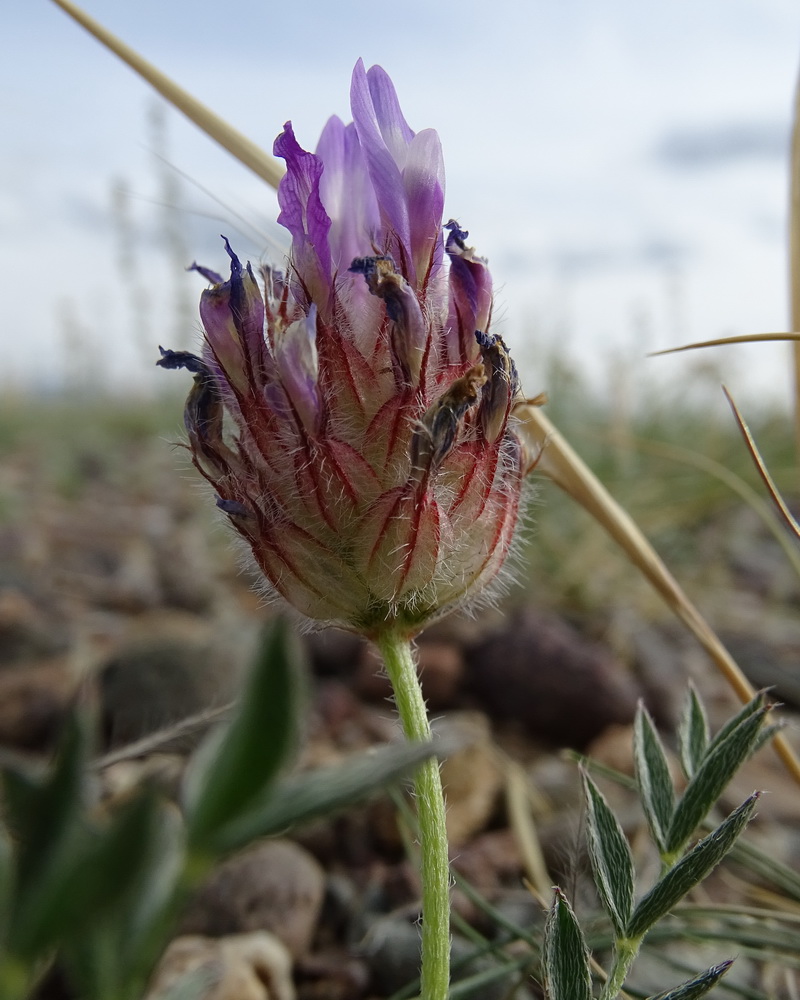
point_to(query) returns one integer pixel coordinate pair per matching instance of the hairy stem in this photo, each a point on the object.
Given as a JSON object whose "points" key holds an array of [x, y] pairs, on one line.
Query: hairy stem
{"points": [[625, 951], [435, 975]]}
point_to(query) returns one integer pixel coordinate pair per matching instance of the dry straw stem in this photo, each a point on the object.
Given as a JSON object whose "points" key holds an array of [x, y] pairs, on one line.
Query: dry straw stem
{"points": [[518, 800], [794, 255], [772, 489], [558, 459], [743, 338]]}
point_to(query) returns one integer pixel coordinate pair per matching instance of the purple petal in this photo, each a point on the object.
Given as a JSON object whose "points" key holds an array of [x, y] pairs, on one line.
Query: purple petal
{"points": [[383, 168], [347, 194], [394, 128], [302, 211], [423, 178]]}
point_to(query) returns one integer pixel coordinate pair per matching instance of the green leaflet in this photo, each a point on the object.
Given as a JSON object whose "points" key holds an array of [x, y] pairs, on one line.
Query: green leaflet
{"points": [[303, 797], [610, 856], [566, 958], [653, 777], [693, 735], [698, 986]]}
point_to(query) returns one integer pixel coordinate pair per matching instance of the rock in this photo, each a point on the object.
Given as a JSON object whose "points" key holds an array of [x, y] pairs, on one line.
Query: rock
{"points": [[152, 681], [756, 557], [275, 886], [440, 666], [542, 673], [660, 654], [239, 967], [392, 952], [391, 949], [26, 632], [472, 778], [160, 772], [332, 975], [491, 860], [34, 702], [334, 652], [441, 671], [614, 748]]}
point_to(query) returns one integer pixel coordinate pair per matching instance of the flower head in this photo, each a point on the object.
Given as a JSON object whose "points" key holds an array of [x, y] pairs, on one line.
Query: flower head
{"points": [[354, 415]]}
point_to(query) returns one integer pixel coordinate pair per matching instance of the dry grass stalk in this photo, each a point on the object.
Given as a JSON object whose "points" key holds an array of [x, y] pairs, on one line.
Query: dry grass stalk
{"points": [[755, 454], [794, 256]]}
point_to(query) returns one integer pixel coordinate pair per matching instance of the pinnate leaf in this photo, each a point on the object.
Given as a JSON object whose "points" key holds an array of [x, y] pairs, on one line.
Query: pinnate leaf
{"points": [[690, 870], [753, 706], [724, 758]]}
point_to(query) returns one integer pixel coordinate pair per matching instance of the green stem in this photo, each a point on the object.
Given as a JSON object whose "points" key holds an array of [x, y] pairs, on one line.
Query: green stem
{"points": [[625, 951], [435, 974]]}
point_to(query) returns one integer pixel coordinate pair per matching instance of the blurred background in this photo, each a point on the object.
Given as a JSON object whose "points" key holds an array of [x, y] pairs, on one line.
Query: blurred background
{"points": [[624, 170]]}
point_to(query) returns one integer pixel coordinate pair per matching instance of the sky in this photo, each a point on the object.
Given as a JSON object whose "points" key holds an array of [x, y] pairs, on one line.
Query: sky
{"points": [[622, 166]]}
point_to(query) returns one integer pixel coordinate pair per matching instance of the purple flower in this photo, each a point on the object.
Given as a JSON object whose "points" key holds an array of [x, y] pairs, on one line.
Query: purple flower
{"points": [[355, 415]]}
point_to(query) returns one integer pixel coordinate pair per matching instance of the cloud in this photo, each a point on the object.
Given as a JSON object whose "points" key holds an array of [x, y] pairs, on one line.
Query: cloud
{"points": [[713, 146]]}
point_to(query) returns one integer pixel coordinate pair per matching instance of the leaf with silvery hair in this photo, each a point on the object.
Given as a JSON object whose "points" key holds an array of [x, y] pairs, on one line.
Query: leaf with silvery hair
{"points": [[698, 986], [724, 758], [566, 957], [232, 768], [690, 870], [753, 706], [693, 734], [653, 777], [303, 797], [610, 855]]}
